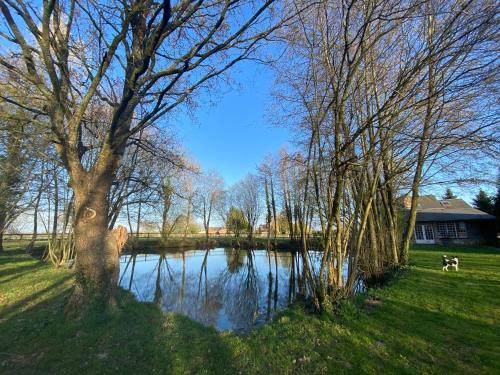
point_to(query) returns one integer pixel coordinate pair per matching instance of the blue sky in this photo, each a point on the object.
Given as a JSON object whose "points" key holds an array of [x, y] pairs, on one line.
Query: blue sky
{"points": [[233, 135]]}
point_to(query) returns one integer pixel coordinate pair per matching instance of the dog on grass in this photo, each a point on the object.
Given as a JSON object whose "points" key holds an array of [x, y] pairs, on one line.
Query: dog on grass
{"points": [[450, 262]]}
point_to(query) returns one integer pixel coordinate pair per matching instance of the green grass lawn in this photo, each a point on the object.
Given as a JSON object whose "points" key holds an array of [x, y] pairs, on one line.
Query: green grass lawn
{"points": [[427, 322]]}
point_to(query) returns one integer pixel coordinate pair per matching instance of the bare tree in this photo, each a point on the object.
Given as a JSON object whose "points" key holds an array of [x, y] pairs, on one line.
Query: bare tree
{"points": [[372, 88], [141, 59], [11, 181], [210, 188], [15, 164], [247, 197], [268, 172]]}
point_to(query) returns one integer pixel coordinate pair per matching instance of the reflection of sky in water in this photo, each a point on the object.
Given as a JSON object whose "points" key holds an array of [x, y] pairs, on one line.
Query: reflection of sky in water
{"points": [[226, 288]]}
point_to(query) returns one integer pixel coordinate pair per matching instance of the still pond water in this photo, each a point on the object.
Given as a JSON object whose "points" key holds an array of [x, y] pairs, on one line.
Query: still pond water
{"points": [[225, 288]]}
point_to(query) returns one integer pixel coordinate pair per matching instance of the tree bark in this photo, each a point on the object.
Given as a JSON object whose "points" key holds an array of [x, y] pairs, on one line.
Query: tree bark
{"points": [[97, 256]]}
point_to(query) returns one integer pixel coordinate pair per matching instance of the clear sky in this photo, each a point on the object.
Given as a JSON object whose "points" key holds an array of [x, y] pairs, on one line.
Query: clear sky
{"points": [[233, 134]]}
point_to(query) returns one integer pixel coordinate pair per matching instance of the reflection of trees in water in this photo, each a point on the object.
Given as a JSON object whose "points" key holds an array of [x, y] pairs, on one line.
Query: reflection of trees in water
{"points": [[158, 293], [289, 262], [272, 295], [191, 294], [240, 287], [292, 289], [164, 275], [209, 296], [237, 288], [276, 281], [130, 261], [235, 259], [270, 287], [284, 258], [306, 276]]}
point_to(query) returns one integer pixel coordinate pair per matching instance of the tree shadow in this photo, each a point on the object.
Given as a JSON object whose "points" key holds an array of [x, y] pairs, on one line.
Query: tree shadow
{"points": [[138, 338], [192, 348], [16, 255], [14, 309], [421, 327]]}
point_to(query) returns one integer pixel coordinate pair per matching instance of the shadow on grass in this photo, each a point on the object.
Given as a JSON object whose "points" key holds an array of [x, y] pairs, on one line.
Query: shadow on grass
{"points": [[428, 322], [18, 270], [13, 309], [9, 257], [137, 338]]}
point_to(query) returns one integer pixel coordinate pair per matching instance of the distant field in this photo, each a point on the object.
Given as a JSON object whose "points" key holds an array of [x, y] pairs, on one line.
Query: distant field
{"points": [[425, 321]]}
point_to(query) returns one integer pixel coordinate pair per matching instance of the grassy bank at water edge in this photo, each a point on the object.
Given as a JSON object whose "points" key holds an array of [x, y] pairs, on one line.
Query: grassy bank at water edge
{"points": [[426, 321]]}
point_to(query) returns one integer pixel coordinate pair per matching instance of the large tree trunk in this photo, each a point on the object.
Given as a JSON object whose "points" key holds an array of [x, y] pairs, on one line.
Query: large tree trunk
{"points": [[97, 256]]}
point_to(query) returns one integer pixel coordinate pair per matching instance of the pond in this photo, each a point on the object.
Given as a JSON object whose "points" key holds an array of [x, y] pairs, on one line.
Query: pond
{"points": [[229, 289]]}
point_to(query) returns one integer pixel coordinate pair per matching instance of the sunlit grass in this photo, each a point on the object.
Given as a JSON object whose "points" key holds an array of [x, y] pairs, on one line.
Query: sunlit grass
{"points": [[428, 321]]}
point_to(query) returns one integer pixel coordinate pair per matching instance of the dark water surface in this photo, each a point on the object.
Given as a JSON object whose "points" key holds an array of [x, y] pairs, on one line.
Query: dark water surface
{"points": [[226, 288]]}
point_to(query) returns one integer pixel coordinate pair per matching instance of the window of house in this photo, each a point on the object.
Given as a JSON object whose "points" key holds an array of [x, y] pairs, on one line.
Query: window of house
{"points": [[441, 229], [447, 230], [419, 233], [429, 234], [461, 229], [452, 230]]}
